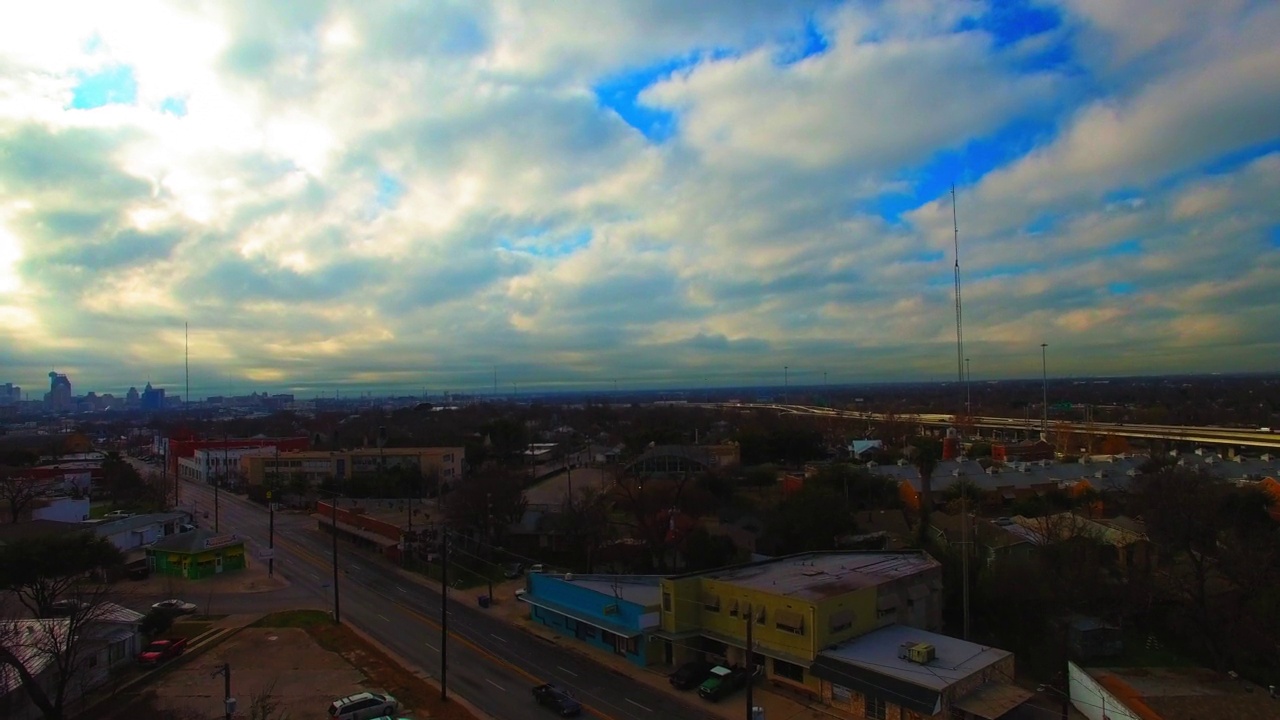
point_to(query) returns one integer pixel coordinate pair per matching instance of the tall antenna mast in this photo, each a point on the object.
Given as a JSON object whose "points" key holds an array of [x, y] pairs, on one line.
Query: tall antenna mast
{"points": [[186, 362], [959, 316]]}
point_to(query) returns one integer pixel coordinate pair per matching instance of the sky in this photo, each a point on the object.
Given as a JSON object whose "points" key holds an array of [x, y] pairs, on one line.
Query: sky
{"points": [[408, 197]]}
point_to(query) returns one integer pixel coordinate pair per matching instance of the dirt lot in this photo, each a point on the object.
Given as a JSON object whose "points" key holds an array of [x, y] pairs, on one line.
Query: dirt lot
{"points": [[291, 665]]}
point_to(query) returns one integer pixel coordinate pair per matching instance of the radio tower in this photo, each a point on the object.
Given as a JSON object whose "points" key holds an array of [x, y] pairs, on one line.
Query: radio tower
{"points": [[959, 316]]}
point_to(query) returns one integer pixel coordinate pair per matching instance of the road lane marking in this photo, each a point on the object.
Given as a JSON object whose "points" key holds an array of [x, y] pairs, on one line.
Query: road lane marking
{"points": [[401, 589], [561, 669], [633, 702], [495, 684], [316, 560], [433, 647], [495, 637], [384, 617]]}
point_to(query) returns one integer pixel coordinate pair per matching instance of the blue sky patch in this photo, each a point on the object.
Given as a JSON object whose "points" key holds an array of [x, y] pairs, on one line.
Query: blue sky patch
{"points": [[1122, 288], [1123, 248], [809, 42], [174, 106], [621, 94], [1011, 21], [115, 85], [1041, 224], [962, 166], [390, 190], [1275, 236], [538, 244]]}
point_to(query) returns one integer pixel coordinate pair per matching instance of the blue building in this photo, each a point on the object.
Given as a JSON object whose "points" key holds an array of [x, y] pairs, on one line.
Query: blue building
{"points": [[614, 613]]}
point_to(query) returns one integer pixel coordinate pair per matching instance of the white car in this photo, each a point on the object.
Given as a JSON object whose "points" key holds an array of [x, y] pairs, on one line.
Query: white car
{"points": [[175, 606], [117, 514], [363, 706]]}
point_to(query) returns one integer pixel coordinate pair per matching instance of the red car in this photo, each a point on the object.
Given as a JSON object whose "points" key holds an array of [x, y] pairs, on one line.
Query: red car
{"points": [[160, 651]]}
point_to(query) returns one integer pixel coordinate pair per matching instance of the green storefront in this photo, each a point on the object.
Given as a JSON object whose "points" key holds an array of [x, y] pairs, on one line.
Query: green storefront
{"points": [[197, 554]]}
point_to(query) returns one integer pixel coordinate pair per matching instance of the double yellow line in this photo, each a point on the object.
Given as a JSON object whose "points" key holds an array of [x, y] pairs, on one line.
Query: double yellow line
{"points": [[319, 563]]}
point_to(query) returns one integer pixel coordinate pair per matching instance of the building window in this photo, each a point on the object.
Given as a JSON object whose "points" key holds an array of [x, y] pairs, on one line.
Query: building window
{"points": [[788, 671], [760, 616], [711, 602], [666, 601], [633, 645], [877, 709], [789, 621], [733, 608], [841, 620], [886, 612]]}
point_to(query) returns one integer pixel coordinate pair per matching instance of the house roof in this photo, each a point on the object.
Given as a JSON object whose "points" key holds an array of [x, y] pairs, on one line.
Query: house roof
{"points": [[1187, 693], [30, 641], [190, 542], [137, 522], [13, 532], [642, 590], [870, 664], [814, 576]]}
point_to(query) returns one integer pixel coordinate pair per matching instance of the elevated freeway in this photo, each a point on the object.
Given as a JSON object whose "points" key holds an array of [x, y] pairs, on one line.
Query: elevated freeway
{"points": [[1260, 439]]}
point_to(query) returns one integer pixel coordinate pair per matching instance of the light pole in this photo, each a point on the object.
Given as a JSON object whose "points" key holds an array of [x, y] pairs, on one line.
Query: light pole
{"points": [[333, 519], [1044, 386]]}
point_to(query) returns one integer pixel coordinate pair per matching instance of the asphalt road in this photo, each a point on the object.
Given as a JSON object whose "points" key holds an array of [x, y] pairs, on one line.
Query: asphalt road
{"points": [[491, 664]]}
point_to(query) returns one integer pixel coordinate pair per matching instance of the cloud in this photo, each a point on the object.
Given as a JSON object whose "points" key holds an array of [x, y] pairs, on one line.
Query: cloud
{"points": [[390, 196]]}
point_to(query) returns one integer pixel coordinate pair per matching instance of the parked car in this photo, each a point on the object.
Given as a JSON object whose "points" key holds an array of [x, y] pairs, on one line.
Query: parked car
{"points": [[558, 699], [117, 514], [175, 606], [513, 570], [63, 608], [363, 706], [537, 568], [160, 651], [520, 594], [690, 675], [723, 682]]}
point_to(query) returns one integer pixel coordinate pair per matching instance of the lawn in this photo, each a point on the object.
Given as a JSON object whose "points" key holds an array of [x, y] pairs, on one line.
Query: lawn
{"points": [[381, 671]]}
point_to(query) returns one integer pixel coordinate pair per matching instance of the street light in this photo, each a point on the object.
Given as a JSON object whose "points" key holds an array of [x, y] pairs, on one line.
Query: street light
{"points": [[1044, 385]]}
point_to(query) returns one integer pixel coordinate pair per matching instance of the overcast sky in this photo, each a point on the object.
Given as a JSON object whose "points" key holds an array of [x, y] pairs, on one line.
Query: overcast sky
{"points": [[382, 196]]}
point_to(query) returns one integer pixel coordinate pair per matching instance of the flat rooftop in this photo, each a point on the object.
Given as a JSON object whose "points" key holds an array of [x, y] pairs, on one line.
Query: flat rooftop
{"points": [[642, 590], [1189, 693], [395, 511], [877, 652], [814, 576]]}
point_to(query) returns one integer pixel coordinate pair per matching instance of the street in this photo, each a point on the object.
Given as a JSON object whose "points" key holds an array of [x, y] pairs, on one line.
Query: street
{"points": [[491, 664]]}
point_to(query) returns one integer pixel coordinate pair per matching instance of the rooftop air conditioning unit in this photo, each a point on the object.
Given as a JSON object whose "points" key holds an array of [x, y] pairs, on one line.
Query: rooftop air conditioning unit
{"points": [[904, 650], [568, 577], [922, 653]]}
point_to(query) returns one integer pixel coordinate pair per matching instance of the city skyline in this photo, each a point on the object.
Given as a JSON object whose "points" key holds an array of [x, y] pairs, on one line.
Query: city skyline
{"points": [[364, 198]]}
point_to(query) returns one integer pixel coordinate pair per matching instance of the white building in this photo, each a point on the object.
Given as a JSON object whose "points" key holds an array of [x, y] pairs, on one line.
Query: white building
{"points": [[211, 464]]}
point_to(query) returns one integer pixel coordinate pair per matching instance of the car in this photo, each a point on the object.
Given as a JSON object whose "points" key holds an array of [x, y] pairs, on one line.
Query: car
{"points": [[63, 608], [159, 651], [520, 594], [690, 675], [537, 568], [363, 706], [513, 570], [558, 699], [723, 682], [118, 514], [176, 606]]}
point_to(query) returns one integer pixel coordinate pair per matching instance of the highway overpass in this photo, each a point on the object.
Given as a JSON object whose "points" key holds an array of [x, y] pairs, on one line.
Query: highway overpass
{"points": [[1210, 436]]}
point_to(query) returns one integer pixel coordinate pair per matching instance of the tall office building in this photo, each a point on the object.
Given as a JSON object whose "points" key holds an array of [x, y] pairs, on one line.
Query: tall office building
{"points": [[152, 398], [59, 395], [10, 394]]}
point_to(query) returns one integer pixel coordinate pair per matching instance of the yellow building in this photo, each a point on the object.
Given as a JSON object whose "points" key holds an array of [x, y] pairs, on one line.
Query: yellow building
{"points": [[318, 465], [796, 606]]}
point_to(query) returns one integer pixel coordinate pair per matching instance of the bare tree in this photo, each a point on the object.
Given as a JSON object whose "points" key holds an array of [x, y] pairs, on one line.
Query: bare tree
{"points": [[18, 489], [263, 705]]}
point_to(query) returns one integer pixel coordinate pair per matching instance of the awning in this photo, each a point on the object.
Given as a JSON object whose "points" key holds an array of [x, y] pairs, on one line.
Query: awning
{"points": [[710, 600], [349, 529], [841, 617], [993, 700], [877, 685], [789, 619], [733, 607], [569, 612]]}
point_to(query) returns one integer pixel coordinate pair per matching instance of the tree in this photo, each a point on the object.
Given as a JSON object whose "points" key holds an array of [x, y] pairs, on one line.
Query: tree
{"points": [[18, 489], [925, 459], [488, 502], [584, 520], [49, 655], [40, 570], [811, 519]]}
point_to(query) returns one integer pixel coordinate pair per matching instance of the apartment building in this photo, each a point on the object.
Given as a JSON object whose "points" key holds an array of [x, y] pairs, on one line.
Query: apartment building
{"points": [[318, 465]]}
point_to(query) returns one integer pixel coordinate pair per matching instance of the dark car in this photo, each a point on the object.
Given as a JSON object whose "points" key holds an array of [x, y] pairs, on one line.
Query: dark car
{"points": [[690, 675], [558, 699], [513, 570]]}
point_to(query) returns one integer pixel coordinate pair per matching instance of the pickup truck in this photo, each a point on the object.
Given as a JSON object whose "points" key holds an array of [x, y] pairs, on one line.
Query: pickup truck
{"points": [[723, 681], [160, 651]]}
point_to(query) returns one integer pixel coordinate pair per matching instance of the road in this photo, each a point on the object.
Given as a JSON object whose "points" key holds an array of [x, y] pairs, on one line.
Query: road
{"points": [[491, 664], [1260, 438]]}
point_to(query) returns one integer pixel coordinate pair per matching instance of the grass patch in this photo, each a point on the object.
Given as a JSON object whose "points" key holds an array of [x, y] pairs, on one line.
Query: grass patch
{"points": [[384, 674], [305, 619]]}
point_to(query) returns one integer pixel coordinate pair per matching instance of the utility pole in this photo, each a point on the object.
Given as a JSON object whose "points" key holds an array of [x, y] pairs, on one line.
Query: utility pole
{"points": [[271, 528], [750, 669], [1044, 385], [333, 513], [444, 613], [229, 703]]}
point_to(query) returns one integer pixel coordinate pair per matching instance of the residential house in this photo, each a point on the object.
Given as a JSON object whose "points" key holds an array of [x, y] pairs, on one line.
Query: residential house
{"points": [[903, 672], [797, 605], [1153, 693], [106, 639], [132, 535], [614, 613]]}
